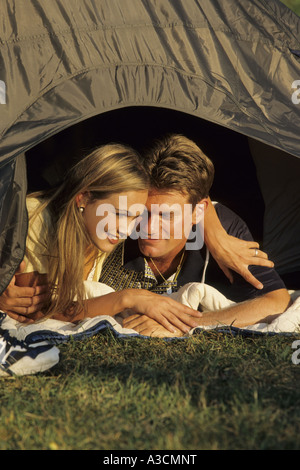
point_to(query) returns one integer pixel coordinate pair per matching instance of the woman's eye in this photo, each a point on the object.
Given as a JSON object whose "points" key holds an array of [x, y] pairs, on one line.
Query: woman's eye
{"points": [[122, 216]]}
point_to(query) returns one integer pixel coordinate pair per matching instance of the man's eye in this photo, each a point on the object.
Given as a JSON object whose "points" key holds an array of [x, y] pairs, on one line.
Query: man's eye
{"points": [[167, 216], [143, 216]]}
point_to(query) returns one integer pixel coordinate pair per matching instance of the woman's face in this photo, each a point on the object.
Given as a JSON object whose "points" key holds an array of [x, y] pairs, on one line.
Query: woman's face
{"points": [[109, 221]]}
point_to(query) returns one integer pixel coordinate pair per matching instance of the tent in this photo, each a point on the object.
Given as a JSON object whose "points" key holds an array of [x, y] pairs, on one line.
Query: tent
{"points": [[75, 73]]}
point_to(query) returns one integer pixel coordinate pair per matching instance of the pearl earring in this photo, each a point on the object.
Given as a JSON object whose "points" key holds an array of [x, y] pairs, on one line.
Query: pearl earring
{"points": [[81, 209]]}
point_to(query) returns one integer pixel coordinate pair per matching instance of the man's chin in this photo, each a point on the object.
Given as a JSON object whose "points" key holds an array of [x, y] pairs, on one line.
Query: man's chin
{"points": [[152, 248]]}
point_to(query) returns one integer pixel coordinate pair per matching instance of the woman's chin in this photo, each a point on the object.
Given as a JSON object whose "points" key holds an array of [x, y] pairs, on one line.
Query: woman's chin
{"points": [[108, 244]]}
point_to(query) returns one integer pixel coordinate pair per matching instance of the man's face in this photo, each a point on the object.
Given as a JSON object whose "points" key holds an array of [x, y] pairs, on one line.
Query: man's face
{"points": [[170, 220]]}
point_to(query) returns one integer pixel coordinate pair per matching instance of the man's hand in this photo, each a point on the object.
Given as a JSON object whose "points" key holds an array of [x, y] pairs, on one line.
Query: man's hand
{"points": [[166, 311], [231, 253], [238, 255], [23, 303]]}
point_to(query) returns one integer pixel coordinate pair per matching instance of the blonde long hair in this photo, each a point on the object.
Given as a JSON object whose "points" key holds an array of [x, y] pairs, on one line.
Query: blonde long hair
{"points": [[110, 169]]}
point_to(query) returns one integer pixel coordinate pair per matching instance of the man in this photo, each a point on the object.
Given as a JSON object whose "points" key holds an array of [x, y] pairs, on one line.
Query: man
{"points": [[182, 175]]}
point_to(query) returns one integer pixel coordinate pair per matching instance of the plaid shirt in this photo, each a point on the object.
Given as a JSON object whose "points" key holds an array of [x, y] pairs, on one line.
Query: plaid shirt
{"points": [[119, 274]]}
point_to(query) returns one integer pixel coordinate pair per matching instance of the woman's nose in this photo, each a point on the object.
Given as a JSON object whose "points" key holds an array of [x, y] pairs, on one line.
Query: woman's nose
{"points": [[123, 230]]}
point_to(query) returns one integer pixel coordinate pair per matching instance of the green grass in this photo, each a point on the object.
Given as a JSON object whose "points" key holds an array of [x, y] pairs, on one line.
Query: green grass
{"points": [[211, 391], [294, 5]]}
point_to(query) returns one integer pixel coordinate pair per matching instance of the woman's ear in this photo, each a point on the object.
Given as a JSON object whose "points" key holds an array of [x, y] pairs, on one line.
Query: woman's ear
{"points": [[81, 199], [199, 211]]}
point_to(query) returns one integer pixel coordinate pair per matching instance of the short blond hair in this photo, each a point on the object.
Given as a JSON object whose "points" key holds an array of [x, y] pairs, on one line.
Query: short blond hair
{"points": [[176, 162]]}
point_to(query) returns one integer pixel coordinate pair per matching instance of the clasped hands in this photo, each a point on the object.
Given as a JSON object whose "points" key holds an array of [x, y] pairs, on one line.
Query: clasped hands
{"points": [[146, 326]]}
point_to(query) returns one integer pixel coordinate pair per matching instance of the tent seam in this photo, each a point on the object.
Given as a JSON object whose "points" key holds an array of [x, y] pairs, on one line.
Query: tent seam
{"points": [[128, 26], [129, 64], [113, 108]]}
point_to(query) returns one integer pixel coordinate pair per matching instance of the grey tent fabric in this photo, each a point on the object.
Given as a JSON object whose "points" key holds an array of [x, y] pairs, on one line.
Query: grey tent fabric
{"points": [[279, 177], [231, 62], [13, 217]]}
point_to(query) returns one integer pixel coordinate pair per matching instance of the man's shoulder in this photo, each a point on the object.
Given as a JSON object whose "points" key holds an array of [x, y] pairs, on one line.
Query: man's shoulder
{"points": [[240, 290], [232, 222]]}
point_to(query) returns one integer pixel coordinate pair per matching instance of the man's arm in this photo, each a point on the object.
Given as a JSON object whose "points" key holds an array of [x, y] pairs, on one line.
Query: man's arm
{"points": [[232, 253], [263, 309]]}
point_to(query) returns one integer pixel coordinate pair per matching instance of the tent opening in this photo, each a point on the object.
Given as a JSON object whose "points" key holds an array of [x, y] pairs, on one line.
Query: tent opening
{"points": [[235, 183]]}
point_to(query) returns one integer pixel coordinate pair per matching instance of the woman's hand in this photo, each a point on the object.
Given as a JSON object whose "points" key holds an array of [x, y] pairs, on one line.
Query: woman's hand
{"points": [[26, 318], [23, 302], [167, 312], [148, 327]]}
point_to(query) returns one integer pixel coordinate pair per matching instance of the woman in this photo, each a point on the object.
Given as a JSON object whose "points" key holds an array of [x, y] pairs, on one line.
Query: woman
{"points": [[71, 231]]}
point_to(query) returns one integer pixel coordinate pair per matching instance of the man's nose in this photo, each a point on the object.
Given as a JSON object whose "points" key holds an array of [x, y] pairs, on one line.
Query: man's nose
{"points": [[149, 226]]}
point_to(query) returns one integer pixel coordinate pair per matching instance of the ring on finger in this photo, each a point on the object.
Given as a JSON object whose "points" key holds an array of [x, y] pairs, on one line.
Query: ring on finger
{"points": [[256, 252]]}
